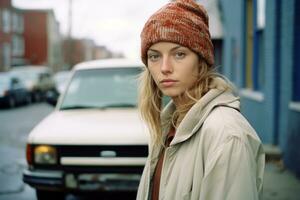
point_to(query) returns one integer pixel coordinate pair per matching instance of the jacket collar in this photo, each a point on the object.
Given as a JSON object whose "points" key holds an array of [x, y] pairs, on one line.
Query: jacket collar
{"points": [[197, 114]]}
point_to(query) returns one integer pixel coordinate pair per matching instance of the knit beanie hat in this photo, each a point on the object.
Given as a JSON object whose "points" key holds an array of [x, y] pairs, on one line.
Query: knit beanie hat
{"points": [[183, 22]]}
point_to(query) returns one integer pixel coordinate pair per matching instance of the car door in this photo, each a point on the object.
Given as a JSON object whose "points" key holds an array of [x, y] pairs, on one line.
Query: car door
{"points": [[18, 90]]}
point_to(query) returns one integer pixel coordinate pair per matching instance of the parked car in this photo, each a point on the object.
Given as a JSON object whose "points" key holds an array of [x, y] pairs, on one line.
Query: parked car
{"points": [[12, 91], [94, 140], [61, 80], [38, 80]]}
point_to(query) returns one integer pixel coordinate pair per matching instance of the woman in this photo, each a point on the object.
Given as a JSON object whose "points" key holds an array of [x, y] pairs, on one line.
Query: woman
{"points": [[202, 147]]}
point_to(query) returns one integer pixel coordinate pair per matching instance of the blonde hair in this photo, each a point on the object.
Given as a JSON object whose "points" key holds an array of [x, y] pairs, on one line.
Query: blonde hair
{"points": [[150, 98]]}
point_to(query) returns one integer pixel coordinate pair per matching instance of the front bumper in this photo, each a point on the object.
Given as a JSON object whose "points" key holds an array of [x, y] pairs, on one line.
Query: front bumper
{"points": [[81, 182], [44, 179]]}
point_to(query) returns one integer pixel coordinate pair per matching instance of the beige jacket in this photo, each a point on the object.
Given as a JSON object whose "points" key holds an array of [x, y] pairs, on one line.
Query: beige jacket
{"points": [[215, 154]]}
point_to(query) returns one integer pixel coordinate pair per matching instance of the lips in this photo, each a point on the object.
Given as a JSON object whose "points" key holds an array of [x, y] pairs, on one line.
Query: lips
{"points": [[168, 82]]}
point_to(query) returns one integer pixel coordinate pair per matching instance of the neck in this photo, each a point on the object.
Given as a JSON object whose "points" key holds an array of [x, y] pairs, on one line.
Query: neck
{"points": [[182, 100], [179, 101]]}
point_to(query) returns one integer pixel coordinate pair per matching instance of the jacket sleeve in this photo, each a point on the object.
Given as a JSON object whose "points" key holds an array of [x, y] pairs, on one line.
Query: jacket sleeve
{"points": [[230, 173], [144, 182]]}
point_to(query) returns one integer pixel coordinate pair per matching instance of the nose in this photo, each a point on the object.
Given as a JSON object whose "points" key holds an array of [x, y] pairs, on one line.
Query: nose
{"points": [[166, 66]]}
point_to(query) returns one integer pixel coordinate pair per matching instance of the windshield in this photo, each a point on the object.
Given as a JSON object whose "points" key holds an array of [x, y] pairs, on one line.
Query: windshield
{"points": [[26, 75], [4, 81], [102, 88], [62, 77]]}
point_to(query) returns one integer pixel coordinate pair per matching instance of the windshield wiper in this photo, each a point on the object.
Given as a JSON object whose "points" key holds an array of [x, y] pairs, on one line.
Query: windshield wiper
{"points": [[113, 105], [119, 105], [77, 107]]}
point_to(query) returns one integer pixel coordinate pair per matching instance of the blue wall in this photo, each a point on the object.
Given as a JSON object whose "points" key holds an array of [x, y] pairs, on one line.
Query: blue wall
{"points": [[233, 29], [272, 75], [271, 115], [289, 130], [259, 113], [286, 67]]}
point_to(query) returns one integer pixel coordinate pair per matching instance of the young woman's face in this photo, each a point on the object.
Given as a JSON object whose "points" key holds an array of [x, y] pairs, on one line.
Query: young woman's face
{"points": [[173, 67]]}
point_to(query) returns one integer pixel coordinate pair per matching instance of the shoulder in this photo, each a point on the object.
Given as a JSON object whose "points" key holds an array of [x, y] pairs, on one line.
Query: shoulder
{"points": [[226, 119], [227, 133], [224, 123]]}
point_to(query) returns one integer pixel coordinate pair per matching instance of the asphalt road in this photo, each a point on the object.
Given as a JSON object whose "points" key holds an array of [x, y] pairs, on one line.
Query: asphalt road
{"points": [[15, 125]]}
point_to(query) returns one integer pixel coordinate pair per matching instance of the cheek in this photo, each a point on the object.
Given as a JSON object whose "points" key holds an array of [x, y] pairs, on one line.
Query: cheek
{"points": [[191, 78], [154, 75]]}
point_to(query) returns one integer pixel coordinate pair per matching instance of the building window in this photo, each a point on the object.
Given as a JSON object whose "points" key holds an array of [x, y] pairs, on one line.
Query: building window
{"points": [[260, 44], [17, 46], [20, 23], [255, 25], [14, 22], [1, 28], [6, 21], [249, 44], [6, 56], [261, 14], [17, 23]]}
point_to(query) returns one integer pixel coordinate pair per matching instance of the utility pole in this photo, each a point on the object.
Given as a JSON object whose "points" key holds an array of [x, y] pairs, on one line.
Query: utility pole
{"points": [[69, 40]]}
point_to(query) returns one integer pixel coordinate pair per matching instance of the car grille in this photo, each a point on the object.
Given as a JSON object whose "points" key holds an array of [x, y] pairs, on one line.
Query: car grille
{"points": [[95, 151], [133, 151]]}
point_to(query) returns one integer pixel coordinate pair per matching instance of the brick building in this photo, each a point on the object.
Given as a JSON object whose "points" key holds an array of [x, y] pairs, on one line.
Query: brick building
{"points": [[80, 50], [43, 42], [11, 36]]}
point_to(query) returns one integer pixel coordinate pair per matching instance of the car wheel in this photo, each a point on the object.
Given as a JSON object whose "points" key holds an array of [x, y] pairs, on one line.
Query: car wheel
{"points": [[11, 102], [49, 195], [28, 99], [36, 97]]}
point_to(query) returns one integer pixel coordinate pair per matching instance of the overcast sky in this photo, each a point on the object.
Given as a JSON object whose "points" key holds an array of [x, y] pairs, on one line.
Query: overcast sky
{"points": [[114, 23]]}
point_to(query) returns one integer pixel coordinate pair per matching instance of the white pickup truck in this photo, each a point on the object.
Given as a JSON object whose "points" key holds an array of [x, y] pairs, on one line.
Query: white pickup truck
{"points": [[94, 140]]}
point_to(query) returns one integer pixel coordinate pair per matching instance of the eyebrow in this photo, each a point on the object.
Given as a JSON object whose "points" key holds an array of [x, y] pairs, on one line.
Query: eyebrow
{"points": [[174, 48]]}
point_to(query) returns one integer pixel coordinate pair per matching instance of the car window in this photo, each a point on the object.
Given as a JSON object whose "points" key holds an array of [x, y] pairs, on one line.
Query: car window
{"points": [[4, 82], [102, 88], [41, 77], [26, 75], [14, 82], [62, 78]]}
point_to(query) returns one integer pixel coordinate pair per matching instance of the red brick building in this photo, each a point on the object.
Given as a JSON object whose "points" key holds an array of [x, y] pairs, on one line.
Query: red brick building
{"points": [[79, 50], [11, 36], [43, 41]]}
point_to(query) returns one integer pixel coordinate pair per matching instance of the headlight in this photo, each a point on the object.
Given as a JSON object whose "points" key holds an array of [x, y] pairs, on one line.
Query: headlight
{"points": [[45, 154]]}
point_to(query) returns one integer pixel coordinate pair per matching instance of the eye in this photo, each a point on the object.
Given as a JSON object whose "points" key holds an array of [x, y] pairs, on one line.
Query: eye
{"points": [[180, 55], [153, 57]]}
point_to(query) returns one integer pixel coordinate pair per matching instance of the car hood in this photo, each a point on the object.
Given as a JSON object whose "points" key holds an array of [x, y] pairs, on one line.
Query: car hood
{"points": [[86, 126]]}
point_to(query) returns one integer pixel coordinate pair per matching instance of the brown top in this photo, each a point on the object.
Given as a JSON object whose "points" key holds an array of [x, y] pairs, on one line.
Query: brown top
{"points": [[157, 172]]}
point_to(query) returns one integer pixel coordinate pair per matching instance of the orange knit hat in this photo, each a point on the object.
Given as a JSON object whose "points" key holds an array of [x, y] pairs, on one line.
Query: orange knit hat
{"points": [[183, 22]]}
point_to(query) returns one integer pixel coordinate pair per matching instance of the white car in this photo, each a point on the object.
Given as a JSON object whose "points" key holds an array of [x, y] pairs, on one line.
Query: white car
{"points": [[95, 139]]}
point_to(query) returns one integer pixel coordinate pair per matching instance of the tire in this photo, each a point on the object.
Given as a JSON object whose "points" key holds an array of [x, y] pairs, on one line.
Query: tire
{"points": [[11, 102], [28, 100], [36, 97], [49, 195]]}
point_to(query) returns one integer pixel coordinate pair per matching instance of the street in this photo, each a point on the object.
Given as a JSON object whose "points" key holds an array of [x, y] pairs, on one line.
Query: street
{"points": [[16, 123], [15, 126]]}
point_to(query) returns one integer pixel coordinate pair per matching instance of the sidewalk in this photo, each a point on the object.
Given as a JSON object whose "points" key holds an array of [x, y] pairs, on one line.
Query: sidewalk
{"points": [[279, 183]]}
